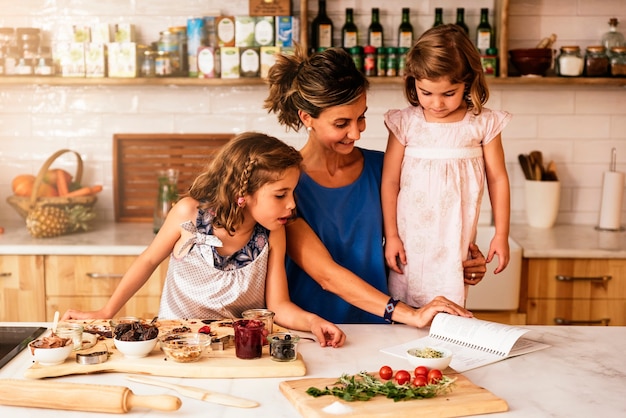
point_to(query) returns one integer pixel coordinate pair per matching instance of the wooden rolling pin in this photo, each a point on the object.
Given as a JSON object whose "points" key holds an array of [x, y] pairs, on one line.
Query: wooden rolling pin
{"points": [[80, 397]]}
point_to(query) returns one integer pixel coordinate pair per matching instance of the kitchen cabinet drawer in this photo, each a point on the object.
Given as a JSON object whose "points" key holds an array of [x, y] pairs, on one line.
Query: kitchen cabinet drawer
{"points": [[577, 278], [22, 296], [86, 282], [576, 312]]}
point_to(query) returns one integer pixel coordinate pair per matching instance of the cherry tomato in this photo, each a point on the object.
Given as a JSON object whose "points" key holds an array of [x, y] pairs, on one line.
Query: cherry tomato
{"points": [[385, 373], [420, 380], [402, 377], [434, 376], [421, 371]]}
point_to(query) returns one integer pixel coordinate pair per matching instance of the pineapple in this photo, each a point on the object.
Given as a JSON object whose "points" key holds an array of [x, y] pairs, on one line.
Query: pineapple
{"points": [[53, 221], [47, 222]]}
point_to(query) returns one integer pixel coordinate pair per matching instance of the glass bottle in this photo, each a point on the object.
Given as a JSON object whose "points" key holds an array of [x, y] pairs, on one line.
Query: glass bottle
{"points": [[349, 31], [405, 30], [460, 19], [484, 33], [613, 37], [438, 16], [321, 28], [375, 30], [166, 197]]}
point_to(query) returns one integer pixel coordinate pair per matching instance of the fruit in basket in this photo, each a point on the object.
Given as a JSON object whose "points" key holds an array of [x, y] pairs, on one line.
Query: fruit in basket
{"points": [[22, 184], [47, 222]]}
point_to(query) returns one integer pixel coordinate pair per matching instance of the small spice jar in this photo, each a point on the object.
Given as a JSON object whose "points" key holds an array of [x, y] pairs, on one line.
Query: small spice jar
{"points": [[570, 62], [618, 61], [381, 61], [392, 62], [369, 61], [402, 51], [356, 52], [597, 63]]}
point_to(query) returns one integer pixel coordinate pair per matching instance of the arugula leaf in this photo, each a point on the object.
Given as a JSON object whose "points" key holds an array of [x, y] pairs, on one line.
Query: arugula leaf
{"points": [[363, 386]]}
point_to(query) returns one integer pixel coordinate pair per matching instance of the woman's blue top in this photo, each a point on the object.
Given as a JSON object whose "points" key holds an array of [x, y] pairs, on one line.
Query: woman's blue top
{"points": [[349, 221]]}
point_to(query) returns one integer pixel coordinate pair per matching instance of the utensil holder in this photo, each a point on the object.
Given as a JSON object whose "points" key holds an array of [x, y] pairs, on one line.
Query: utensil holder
{"points": [[542, 202]]}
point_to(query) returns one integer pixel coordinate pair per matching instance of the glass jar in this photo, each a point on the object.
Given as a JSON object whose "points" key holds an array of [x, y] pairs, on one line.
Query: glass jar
{"points": [[166, 197], [597, 63], [369, 61], [163, 64], [264, 315], [356, 52], [248, 338], [618, 61], [570, 62], [381, 61], [169, 45], [392, 62], [147, 68], [402, 52]]}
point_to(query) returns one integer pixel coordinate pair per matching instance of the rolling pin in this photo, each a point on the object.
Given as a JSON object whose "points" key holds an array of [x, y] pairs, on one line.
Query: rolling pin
{"points": [[80, 397]]}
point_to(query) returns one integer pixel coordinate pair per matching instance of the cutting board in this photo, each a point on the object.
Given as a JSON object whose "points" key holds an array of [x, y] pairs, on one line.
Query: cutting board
{"points": [[212, 364], [465, 399]]}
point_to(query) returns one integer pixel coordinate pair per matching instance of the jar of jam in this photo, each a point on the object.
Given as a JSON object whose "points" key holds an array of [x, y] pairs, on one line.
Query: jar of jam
{"points": [[570, 62], [618, 61], [597, 63]]}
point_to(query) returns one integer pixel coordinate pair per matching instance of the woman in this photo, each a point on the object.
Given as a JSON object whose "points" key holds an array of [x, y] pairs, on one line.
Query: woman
{"points": [[336, 265]]}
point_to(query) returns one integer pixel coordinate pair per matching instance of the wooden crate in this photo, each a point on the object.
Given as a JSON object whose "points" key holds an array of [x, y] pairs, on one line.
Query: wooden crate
{"points": [[137, 157]]}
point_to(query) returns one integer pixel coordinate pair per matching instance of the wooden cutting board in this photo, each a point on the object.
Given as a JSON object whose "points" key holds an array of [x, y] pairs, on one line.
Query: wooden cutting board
{"points": [[465, 399], [212, 364]]}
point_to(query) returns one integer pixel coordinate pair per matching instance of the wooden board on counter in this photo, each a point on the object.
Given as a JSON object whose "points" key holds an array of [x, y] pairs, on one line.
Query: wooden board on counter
{"points": [[465, 399], [212, 364]]}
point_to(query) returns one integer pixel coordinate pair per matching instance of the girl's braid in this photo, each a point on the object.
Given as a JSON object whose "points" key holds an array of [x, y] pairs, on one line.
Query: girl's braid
{"points": [[245, 176]]}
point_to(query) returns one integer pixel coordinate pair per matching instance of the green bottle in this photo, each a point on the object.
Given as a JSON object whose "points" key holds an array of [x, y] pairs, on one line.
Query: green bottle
{"points": [[460, 19], [438, 17], [484, 33], [405, 30], [349, 31], [375, 30], [321, 29]]}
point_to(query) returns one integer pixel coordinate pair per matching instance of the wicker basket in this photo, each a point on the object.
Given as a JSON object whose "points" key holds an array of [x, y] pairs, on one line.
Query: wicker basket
{"points": [[23, 205]]}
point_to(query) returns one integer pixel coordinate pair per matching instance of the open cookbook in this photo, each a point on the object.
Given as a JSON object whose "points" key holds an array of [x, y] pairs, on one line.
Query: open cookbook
{"points": [[473, 342]]}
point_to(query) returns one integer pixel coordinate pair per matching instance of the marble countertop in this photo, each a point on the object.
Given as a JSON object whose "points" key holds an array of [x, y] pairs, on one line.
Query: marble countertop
{"points": [[111, 238], [582, 374]]}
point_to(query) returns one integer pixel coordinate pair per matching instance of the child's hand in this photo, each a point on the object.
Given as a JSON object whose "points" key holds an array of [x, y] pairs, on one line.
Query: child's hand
{"points": [[499, 246], [327, 333], [394, 254]]}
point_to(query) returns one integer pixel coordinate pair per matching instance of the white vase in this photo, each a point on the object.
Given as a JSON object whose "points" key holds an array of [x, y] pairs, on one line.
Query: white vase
{"points": [[542, 202]]}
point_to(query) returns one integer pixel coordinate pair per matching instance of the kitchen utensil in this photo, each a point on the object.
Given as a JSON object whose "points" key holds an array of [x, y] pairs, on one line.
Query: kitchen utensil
{"points": [[80, 397], [526, 166], [466, 398], [537, 160], [550, 173], [198, 393], [55, 322]]}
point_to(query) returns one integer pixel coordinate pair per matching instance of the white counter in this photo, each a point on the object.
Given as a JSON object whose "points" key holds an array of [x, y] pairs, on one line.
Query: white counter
{"points": [[583, 374]]}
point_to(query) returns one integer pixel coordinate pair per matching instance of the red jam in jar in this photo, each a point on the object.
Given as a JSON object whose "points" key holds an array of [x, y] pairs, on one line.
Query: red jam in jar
{"points": [[248, 338]]}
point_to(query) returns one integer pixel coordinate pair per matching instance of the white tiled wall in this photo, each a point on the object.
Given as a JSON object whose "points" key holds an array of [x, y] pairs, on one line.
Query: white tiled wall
{"points": [[574, 126]]}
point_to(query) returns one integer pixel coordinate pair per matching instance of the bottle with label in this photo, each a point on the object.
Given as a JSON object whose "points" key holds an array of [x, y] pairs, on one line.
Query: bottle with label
{"points": [[613, 37], [484, 33], [438, 16], [405, 30], [460, 19], [375, 30], [349, 31], [321, 29]]}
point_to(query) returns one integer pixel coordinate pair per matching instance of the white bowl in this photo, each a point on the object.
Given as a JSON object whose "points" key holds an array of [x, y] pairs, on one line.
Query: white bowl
{"points": [[51, 356], [135, 349], [440, 363]]}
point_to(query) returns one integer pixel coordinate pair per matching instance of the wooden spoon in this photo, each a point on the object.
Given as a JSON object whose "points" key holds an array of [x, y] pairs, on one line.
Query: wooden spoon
{"points": [[537, 159]]}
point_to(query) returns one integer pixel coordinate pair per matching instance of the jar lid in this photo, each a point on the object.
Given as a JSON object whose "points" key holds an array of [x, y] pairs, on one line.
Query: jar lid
{"points": [[618, 49], [369, 49], [491, 51], [595, 48], [355, 50], [573, 48]]}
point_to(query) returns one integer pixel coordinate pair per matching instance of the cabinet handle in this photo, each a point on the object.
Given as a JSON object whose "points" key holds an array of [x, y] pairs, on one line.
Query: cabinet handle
{"points": [[600, 279], [105, 275], [5, 274], [563, 321]]}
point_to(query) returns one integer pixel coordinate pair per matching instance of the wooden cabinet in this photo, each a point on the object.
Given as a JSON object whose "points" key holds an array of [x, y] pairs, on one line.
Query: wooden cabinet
{"points": [[22, 291], [574, 291], [86, 283]]}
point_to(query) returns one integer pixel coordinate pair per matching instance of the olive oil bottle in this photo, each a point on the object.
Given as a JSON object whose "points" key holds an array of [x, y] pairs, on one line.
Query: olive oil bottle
{"points": [[375, 30], [405, 30], [321, 29], [460, 19], [484, 33], [349, 31]]}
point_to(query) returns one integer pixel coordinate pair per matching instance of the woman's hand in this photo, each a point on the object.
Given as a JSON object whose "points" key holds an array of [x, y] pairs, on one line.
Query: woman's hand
{"points": [[427, 313], [327, 333], [74, 314], [475, 267]]}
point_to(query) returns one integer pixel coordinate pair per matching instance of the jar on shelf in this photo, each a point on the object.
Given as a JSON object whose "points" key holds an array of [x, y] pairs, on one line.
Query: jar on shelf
{"points": [[169, 44], [618, 61], [356, 52], [381, 61], [147, 65], [597, 63], [392, 62], [369, 61], [402, 52], [163, 66], [570, 62]]}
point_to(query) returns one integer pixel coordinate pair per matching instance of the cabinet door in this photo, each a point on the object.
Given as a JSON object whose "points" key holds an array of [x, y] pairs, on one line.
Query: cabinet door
{"points": [[576, 312], [22, 291], [577, 278], [87, 282]]}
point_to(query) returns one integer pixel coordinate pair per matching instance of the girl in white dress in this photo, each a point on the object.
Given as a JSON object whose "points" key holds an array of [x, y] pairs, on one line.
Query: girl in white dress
{"points": [[226, 242], [439, 152]]}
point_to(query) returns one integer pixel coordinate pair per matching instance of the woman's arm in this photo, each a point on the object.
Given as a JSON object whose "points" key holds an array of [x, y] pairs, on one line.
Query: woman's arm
{"points": [[308, 251], [144, 265], [390, 187], [499, 194], [288, 313]]}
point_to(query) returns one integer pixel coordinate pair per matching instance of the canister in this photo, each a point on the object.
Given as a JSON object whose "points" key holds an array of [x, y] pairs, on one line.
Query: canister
{"points": [[369, 61], [163, 64], [570, 62], [597, 63], [381, 61], [391, 66], [356, 52], [402, 51], [168, 48], [618, 61]]}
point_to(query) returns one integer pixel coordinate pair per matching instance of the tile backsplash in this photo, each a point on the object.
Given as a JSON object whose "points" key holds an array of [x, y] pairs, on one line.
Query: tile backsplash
{"points": [[576, 126]]}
